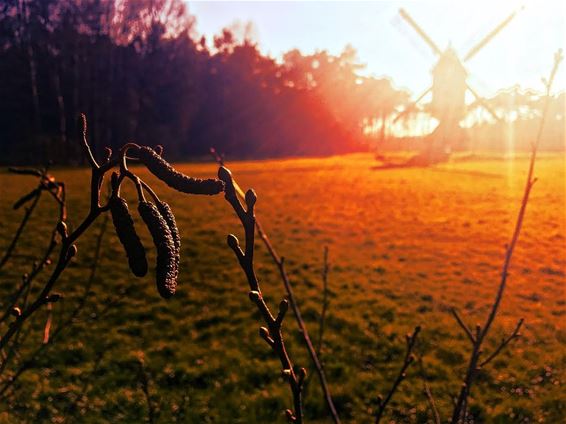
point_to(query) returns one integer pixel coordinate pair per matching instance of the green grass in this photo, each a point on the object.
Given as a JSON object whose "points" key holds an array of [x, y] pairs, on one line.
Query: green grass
{"points": [[405, 245]]}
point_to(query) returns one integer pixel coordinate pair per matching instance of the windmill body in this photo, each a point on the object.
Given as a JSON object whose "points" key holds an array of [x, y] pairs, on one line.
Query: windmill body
{"points": [[449, 86]]}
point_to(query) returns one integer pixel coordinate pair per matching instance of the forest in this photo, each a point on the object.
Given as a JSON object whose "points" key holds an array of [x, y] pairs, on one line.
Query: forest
{"points": [[140, 72]]}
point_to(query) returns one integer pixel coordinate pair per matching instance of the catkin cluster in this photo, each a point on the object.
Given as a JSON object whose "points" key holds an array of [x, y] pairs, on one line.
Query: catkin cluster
{"points": [[167, 267], [167, 214], [124, 225], [175, 179], [158, 217]]}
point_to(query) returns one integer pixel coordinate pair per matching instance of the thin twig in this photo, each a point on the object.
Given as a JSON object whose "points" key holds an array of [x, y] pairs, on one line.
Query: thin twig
{"points": [[504, 342], [460, 407], [428, 392], [325, 269], [322, 319], [66, 324], [20, 230], [407, 361], [144, 383], [87, 382], [68, 248], [47, 327], [27, 279], [272, 333], [463, 325], [280, 263]]}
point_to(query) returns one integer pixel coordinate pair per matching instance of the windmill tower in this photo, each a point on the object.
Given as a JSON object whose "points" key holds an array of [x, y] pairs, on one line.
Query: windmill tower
{"points": [[449, 86]]}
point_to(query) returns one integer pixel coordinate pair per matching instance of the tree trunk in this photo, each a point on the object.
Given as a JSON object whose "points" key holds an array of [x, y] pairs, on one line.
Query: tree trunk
{"points": [[30, 55], [60, 105]]}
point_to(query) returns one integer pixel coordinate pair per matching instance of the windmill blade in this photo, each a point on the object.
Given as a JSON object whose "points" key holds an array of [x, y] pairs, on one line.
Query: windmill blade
{"points": [[420, 31], [411, 106], [482, 102], [474, 50]]}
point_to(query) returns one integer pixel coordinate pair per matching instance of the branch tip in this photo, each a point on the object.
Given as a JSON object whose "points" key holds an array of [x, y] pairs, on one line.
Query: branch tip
{"points": [[251, 198], [254, 295], [290, 416], [72, 251], [302, 376], [225, 175], [283, 308], [62, 229]]}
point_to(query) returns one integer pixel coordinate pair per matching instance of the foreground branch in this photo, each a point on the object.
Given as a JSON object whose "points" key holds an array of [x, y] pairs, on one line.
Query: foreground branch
{"points": [[407, 361], [46, 182], [280, 263], [272, 333], [322, 320], [474, 365]]}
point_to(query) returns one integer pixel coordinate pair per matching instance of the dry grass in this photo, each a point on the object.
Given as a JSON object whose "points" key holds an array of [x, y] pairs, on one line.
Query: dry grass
{"points": [[407, 244]]}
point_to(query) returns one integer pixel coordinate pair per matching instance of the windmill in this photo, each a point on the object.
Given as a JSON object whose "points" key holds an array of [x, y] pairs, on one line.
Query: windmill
{"points": [[449, 86]]}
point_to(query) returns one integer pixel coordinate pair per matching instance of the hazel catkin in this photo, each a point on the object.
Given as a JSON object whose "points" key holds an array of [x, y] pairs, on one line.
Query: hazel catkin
{"points": [[175, 179], [166, 270], [124, 225], [167, 214]]}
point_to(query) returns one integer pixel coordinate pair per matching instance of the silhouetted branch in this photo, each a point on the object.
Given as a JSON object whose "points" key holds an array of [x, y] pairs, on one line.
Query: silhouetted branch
{"points": [[57, 191], [26, 171], [272, 333], [68, 248], [66, 324], [36, 195], [463, 325], [219, 158], [47, 327], [280, 263], [504, 342], [460, 407], [428, 392], [325, 268], [144, 384], [407, 361], [87, 381], [158, 218]]}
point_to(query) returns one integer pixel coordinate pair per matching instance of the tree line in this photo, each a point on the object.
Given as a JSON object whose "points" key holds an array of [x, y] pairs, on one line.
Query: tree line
{"points": [[140, 72]]}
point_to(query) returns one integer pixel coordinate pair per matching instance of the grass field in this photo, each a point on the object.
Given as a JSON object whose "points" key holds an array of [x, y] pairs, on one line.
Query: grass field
{"points": [[405, 246]]}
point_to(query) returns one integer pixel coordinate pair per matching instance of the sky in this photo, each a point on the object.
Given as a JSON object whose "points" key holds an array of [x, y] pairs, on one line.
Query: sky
{"points": [[521, 53]]}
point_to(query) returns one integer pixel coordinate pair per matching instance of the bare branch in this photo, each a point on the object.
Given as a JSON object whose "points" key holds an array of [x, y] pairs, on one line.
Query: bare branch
{"points": [[84, 144], [504, 342], [144, 383], [19, 231], [460, 407], [407, 361], [428, 392], [68, 248], [47, 328], [463, 325], [272, 332], [322, 320], [280, 263]]}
